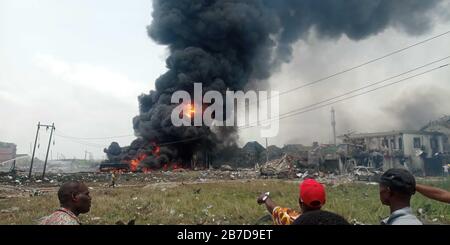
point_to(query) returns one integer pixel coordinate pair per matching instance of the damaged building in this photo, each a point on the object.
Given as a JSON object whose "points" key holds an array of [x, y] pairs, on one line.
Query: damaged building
{"points": [[419, 151], [441, 125]]}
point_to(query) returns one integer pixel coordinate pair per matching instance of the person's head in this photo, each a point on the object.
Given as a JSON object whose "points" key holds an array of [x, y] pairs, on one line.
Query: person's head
{"points": [[396, 187], [320, 217], [74, 196], [312, 195]]}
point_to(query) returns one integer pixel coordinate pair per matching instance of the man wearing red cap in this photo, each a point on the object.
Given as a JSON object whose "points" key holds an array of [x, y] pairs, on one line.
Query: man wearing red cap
{"points": [[312, 197]]}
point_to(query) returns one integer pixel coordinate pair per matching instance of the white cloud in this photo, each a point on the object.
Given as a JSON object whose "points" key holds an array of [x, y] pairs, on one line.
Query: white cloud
{"points": [[92, 77], [11, 98]]}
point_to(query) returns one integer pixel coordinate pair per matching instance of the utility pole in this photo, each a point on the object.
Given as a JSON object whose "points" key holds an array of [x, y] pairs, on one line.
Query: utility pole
{"points": [[34, 150], [13, 167], [333, 124], [48, 147], [85, 155], [267, 152]]}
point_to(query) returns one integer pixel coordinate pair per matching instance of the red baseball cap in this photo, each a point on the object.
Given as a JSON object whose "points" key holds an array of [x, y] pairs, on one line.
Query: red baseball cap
{"points": [[312, 193]]}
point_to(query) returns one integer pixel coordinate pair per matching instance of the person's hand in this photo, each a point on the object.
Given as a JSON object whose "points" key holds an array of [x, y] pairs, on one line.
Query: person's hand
{"points": [[262, 198]]}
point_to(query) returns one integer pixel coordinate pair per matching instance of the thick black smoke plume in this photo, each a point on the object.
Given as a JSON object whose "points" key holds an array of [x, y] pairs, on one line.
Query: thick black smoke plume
{"points": [[225, 44]]}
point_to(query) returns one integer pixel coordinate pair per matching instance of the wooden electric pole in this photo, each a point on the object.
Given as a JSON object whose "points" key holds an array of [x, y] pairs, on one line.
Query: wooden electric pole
{"points": [[267, 152], [48, 147], [333, 124], [34, 150]]}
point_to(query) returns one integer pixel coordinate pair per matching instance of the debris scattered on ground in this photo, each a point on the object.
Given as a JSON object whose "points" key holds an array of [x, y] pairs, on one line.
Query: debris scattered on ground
{"points": [[281, 168], [226, 168], [35, 192], [10, 210], [131, 222], [356, 222]]}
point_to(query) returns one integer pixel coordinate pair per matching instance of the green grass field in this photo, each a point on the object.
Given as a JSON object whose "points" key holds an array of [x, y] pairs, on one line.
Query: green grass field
{"points": [[216, 203]]}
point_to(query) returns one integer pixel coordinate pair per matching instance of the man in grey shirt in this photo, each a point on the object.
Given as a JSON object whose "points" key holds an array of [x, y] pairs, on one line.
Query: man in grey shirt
{"points": [[396, 188]]}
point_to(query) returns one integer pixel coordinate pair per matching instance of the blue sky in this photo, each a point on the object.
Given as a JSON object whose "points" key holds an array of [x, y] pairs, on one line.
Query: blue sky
{"points": [[81, 64]]}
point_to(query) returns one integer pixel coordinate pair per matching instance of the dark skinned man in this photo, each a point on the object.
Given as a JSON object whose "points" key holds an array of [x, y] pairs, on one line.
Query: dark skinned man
{"points": [[311, 197], [396, 188], [74, 200]]}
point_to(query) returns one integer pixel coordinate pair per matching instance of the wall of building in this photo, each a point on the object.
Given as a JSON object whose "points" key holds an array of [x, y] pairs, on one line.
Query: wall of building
{"points": [[417, 163], [395, 145], [425, 141], [7, 152], [441, 129]]}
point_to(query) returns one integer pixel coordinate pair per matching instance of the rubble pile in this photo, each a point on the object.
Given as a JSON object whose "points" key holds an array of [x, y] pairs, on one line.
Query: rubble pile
{"points": [[281, 168], [253, 154]]}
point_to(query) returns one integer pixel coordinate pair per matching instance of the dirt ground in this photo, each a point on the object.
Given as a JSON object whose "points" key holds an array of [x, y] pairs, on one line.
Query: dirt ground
{"points": [[197, 197]]}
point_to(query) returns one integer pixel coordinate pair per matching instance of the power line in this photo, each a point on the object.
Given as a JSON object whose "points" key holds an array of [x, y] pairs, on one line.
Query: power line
{"points": [[316, 106], [295, 88], [179, 141], [99, 138], [102, 146], [370, 85], [348, 69], [369, 91], [300, 87], [83, 143], [293, 113], [359, 66]]}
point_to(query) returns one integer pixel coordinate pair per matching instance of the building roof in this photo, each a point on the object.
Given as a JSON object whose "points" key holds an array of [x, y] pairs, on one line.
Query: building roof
{"points": [[391, 133], [253, 147], [7, 145], [444, 122]]}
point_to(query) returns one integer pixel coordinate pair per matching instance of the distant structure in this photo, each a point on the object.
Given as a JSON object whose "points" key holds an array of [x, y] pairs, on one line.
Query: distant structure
{"points": [[441, 125], [418, 151], [7, 151]]}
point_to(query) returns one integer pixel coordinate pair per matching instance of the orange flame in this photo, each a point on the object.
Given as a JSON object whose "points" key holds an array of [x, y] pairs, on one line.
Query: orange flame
{"points": [[135, 162], [156, 150], [189, 110], [146, 170]]}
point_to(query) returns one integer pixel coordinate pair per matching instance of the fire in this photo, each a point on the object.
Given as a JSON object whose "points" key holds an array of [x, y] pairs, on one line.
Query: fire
{"points": [[156, 151], [146, 170], [171, 166], [189, 110], [135, 162]]}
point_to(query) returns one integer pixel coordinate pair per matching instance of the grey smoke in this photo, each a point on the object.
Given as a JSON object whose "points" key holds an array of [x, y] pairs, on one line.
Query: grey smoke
{"points": [[414, 110], [229, 44]]}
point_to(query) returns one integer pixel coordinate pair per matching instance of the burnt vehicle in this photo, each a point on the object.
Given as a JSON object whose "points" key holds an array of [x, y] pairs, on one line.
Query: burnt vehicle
{"points": [[111, 167], [363, 173]]}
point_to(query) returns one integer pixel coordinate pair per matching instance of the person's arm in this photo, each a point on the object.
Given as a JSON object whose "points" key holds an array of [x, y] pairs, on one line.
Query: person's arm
{"points": [[270, 205], [434, 193]]}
